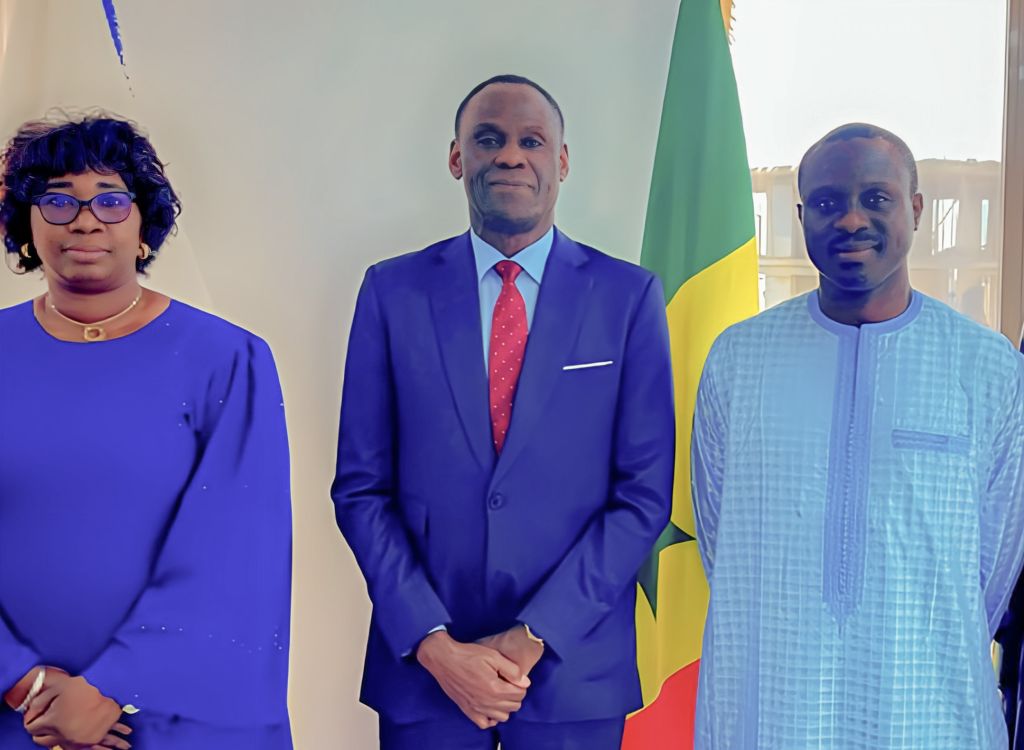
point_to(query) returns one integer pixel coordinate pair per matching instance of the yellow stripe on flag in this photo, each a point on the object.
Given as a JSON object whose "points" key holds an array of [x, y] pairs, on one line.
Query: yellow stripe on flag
{"points": [[702, 308]]}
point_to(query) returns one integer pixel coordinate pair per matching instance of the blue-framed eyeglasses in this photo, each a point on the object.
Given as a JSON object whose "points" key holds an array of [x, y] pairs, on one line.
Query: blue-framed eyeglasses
{"points": [[60, 208]]}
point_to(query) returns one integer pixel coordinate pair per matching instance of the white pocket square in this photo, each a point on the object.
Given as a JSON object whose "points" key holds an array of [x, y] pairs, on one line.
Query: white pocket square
{"points": [[585, 365]]}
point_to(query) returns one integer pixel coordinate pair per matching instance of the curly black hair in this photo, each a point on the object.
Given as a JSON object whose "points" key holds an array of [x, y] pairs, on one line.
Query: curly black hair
{"points": [[43, 149]]}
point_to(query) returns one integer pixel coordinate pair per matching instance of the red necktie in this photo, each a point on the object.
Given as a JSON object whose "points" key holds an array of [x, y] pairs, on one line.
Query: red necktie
{"points": [[508, 343]]}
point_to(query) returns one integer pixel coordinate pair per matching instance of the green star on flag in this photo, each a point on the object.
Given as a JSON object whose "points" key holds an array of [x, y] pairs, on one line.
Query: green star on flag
{"points": [[648, 575]]}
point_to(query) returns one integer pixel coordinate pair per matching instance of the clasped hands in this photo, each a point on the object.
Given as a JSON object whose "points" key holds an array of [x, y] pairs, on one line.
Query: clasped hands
{"points": [[72, 714], [488, 679]]}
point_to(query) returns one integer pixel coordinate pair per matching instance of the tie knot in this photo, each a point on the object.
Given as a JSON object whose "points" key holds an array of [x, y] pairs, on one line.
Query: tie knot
{"points": [[508, 270]]}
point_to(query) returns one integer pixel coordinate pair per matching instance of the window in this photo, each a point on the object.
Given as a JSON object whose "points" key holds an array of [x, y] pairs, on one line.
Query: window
{"points": [[945, 212], [984, 225], [760, 221]]}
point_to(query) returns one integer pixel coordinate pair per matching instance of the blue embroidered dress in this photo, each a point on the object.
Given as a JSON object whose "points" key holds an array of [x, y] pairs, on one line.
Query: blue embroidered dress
{"points": [[145, 526], [858, 494]]}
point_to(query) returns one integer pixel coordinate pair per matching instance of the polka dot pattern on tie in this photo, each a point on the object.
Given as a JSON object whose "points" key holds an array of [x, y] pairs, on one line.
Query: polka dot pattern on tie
{"points": [[507, 347]]}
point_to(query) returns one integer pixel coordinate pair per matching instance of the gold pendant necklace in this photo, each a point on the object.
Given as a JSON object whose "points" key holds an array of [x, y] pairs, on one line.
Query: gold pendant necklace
{"points": [[94, 331]]}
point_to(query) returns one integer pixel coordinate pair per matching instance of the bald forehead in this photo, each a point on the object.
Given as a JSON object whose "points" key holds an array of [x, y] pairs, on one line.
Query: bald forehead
{"points": [[511, 104], [855, 161]]}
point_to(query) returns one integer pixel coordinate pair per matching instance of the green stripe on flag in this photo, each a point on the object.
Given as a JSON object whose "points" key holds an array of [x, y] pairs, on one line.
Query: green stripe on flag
{"points": [[700, 206]]}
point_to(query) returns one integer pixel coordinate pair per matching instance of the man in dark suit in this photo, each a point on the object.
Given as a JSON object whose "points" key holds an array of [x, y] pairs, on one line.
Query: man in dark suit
{"points": [[505, 457]]}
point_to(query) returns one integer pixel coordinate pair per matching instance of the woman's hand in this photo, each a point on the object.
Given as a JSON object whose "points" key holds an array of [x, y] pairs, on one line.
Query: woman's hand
{"points": [[72, 713], [17, 694]]}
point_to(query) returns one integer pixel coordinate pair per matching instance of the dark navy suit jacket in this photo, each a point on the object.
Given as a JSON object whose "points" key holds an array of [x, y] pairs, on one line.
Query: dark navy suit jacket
{"points": [[552, 531], [1011, 677]]}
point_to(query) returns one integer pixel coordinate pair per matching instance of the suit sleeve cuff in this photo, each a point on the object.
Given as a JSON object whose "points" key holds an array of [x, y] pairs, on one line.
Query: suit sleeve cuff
{"points": [[429, 632], [15, 666], [556, 641]]}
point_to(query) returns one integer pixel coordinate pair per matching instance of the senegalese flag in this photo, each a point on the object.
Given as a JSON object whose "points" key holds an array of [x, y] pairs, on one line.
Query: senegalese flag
{"points": [[699, 239]]}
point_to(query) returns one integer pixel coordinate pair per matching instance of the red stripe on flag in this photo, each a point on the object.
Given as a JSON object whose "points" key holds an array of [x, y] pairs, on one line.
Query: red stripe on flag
{"points": [[666, 724]]}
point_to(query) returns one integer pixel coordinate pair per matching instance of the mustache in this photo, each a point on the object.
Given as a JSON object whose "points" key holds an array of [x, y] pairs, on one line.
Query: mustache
{"points": [[862, 237]]}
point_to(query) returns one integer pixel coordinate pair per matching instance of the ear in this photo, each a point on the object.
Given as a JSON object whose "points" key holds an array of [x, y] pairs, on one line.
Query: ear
{"points": [[455, 159], [563, 163], [918, 202]]}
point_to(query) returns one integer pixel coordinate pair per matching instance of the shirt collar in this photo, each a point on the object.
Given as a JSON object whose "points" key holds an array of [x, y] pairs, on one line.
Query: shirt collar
{"points": [[902, 320], [532, 258]]}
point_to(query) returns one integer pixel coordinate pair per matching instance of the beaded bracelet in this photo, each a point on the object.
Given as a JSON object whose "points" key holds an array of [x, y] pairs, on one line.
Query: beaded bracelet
{"points": [[35, 690]]}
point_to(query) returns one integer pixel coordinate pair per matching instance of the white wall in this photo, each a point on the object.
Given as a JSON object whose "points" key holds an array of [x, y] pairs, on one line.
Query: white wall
{"points": [[308, 139]]}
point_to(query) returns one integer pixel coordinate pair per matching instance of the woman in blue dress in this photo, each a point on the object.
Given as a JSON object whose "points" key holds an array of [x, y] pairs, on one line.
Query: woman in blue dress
{"points": [[145, 523]]}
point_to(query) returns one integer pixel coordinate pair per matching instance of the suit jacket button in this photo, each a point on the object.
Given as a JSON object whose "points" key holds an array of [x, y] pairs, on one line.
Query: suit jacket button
{"points": [[495, 501]]}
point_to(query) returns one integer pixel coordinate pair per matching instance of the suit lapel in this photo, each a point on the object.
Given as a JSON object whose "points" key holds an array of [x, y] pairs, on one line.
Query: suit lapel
{"points": [[455, 303], [556, 322]]}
